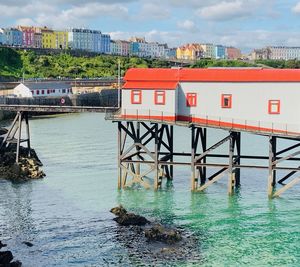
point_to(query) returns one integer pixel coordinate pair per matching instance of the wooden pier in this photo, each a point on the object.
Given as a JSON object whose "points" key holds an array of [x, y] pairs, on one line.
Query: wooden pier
{"points": [[146, 157]]}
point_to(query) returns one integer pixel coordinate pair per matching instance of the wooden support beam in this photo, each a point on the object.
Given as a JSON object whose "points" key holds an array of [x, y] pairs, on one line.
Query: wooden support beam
{"points": [[286, 187], [19, 135], [271, 171], [231, 174]]}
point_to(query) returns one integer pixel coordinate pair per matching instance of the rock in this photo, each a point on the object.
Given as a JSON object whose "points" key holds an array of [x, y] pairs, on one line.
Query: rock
{"points": [[118, 211], [27, 168], [5, 257], [160, 233], [28, 244], [2, 245], [131, 219], [15, 264], [126, 219]]}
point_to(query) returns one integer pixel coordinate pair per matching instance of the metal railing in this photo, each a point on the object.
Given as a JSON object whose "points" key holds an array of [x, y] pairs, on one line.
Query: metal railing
{"points": [[207, 121]]}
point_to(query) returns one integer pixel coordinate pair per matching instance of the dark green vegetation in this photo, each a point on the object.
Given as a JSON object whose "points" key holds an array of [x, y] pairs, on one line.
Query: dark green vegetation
{"points": [[13, 63]]}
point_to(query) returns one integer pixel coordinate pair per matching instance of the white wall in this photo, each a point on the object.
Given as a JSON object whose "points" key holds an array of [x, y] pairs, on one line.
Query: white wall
{"points": [[22, 91], [148, 104], [249, 102]]}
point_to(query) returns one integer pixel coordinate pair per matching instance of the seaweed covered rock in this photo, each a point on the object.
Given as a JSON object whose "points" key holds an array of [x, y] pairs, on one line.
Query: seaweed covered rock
{"points": [[126, 219], [158, 232], [28, 167]]}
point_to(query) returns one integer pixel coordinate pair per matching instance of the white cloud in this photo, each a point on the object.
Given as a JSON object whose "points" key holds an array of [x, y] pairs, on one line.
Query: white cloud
{"points": [[227, 10], [187, 25], [153, 11], [75, 16], [296, 8]]}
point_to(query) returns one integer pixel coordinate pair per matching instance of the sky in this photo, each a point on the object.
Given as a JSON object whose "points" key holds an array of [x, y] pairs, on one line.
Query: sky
{"points": [[246, 24]]}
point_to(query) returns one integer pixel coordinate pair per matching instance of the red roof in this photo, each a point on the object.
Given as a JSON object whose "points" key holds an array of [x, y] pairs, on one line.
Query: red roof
{"points": [[150, 85], [159, 77]]}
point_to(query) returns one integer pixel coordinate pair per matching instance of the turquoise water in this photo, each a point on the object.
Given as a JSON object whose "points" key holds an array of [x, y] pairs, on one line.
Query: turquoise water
{"points": [[66, 215]]}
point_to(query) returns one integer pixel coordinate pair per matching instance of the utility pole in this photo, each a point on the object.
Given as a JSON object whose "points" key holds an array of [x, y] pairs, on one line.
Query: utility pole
{"points": [[119, 83]]}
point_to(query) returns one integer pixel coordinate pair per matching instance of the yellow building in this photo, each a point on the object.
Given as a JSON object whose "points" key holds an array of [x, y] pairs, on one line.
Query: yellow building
{"points": [[48, 38], [61, 40], [189, 52]]}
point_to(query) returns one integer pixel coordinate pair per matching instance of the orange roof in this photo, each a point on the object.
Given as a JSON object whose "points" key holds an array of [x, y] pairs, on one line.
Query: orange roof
{"points": [[212, 75]]}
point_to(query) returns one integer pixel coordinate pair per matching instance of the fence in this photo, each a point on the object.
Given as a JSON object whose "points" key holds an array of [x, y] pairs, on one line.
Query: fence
{"points": [[208, 121]]}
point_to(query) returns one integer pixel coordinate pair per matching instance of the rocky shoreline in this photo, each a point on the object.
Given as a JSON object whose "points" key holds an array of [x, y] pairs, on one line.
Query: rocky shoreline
{"points": [[6, 258], [29, 167], [153, 244]]}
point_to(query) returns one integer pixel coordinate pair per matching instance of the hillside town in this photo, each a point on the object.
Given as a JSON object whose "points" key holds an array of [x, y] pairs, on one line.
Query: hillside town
{"points": [[102, 43], [98, 42]]}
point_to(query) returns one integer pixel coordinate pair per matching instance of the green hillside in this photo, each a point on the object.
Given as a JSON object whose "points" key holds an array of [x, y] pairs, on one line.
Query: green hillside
{"points": [[13, 63]]}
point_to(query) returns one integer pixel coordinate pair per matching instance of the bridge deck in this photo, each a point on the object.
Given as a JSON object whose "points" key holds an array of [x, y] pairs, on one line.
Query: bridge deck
{"points": [[54, 109]]}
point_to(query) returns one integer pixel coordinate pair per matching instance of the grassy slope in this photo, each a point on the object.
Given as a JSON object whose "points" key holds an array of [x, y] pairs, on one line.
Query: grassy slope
{"points": [[13, 63]]}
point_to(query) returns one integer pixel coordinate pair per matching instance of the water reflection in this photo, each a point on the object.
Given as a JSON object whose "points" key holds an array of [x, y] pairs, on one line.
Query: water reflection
{"points": [[16, 205]]}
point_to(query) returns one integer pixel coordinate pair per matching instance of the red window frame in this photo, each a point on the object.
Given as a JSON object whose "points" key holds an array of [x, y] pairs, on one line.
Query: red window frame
{"points": [[191, 99], [274, 103], [134, 94], [225, 97], [157, 97]]}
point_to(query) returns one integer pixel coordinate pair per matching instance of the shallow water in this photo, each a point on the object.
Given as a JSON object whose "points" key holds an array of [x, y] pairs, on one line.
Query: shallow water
{"points": [[66, 215]]}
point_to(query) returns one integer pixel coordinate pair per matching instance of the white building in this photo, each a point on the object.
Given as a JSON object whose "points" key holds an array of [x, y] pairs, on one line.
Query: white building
{"points": [[255, 100], [209, 50], [42, 89], [284, 52]]}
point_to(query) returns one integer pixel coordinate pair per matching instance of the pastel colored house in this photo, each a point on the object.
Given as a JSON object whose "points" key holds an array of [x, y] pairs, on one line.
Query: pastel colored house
{"points": [[2, 37], [256, 100], [13, 37], [220, 52], [61, 39], [233, 53], [189, 52], [28, 35], [48, 38], [42, 89], [208, 50]]}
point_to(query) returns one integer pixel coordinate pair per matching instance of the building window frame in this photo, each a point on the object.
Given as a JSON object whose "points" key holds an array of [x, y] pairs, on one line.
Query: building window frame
{"points": [[191, 99], [160, 97], [226, 100], [136, 96], [274, 106]]}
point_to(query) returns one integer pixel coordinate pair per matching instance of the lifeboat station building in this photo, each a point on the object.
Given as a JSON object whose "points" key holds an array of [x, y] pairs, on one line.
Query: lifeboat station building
{"points": [[263, 100], [260, 101]]}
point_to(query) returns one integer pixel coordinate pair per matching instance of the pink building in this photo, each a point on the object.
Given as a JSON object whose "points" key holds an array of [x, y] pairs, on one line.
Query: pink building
{"points": [[28, 35], [125, 48], [233, 53]]}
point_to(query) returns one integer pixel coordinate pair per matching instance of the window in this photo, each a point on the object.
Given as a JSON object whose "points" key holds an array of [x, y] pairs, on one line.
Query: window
{"points": [[32, 92], [274, 107], [43, 92], [48, 91], [160, 97], [37, 92], [191, 99], [226, 101], [136, 97]]}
